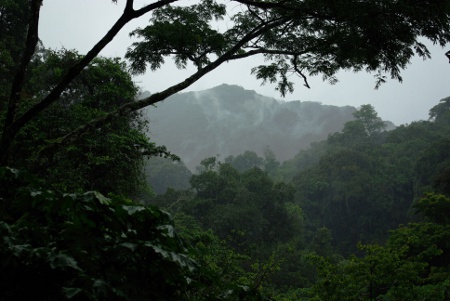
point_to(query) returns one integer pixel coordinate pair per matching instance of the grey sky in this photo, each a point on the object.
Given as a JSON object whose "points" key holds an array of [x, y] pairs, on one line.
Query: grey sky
{"points": [[79, 24]]}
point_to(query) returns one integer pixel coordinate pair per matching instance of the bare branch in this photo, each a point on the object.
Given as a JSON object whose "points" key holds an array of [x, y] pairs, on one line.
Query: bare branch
{"points": [[129, 6], [294, 62], [264, 51]]}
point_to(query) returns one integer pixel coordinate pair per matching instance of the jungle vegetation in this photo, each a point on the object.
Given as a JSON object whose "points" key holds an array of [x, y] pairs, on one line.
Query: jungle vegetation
{"points": [[78, 222]]}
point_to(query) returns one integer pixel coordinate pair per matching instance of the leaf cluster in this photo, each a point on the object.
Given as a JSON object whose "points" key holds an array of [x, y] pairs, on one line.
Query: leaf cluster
{"points": [[108, 159], [184, 32], [412, 265], [86, 246], [323, 37]]}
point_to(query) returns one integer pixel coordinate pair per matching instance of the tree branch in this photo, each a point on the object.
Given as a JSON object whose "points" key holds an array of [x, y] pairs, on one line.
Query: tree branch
{"points": [[264, 5], [13, 128], [266, 51], [157, 97], [294, 62], [129, 6], [19, 76]]}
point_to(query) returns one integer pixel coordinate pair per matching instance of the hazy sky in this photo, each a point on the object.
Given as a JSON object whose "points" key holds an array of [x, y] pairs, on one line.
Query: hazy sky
{"points": [[79, 24]]}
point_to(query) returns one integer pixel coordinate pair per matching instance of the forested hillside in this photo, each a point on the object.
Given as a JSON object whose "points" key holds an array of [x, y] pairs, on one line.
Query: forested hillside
{"points": [[228, 120], [360, 215], [353, 193]]}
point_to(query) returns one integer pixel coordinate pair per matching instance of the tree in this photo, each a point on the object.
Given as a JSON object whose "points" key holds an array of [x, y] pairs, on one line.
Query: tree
{"points": [[383, 273], [360, 189], [300, 37], [165, 173], [362, 132], [251, 201], [413, 265], [245, 161], [13, 22], [108, 159], [433, 163], [353, 134], [219, 265], [367, 115], [440, 113], [271, 165]]}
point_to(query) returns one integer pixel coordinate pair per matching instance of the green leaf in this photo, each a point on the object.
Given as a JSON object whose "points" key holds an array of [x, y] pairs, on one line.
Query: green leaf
{"points": [[168, 229], [129, 245], [62, 260], [101, 198], [133, 209], [71, 292]]}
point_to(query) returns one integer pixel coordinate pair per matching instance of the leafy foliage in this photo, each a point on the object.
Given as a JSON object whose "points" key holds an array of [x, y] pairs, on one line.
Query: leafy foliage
{"points": [[71, 120], [165, 173], [441, 112], [367, 115], [86, 246], [413, 265], [221, 267], [300, 37], [108, 160], [322, 37], [184, 32], [364, 185], [250, 202]]}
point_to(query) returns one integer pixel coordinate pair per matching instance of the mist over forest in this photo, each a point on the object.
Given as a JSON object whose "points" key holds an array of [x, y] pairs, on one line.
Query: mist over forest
{"points": [[229, 120], [364, 195], [222, 194]]}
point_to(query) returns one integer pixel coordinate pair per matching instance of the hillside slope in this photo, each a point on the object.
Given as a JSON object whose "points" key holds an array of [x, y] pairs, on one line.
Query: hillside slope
{"points": [[227, 120]]}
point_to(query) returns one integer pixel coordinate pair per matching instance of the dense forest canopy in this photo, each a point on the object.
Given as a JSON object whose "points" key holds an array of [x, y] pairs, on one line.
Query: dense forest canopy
{"points": [[380, 195], [73, 143]]}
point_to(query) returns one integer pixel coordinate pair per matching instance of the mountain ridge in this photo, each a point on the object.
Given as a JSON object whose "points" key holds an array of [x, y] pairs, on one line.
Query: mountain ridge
{"points": [[228, 120]]}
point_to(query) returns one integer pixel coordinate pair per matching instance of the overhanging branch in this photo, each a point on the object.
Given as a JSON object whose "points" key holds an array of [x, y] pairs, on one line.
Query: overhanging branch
{"points": [[157, 97], [266, 51], [294, 62], [265, 5], [12, 128]]}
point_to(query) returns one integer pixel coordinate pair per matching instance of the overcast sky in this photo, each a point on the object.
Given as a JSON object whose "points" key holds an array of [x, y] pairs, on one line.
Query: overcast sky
{"points": [[79, 24]]}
